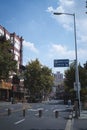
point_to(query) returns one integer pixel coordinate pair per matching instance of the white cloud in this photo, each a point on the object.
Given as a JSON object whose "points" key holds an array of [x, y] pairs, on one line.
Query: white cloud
{"points": [[82, 55], [67, 3], [58, 48], [73, 6], [61, 52], [82, 31], [82, 39], [50, 9], [65, 6], [30, 46]]}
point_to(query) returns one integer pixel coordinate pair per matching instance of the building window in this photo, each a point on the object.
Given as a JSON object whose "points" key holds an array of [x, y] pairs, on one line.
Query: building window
{"points": [[16, 57], [7, 36]]}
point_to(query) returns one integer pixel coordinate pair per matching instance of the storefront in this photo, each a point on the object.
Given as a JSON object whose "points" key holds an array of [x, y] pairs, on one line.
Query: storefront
{"points": [[5, 90]]}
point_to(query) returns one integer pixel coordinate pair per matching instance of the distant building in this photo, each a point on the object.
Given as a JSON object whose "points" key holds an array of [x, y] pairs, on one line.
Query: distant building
{"points": [[58, 83], [58, 78]]}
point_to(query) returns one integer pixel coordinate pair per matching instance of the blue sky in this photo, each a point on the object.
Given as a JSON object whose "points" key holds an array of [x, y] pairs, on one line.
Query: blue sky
{"points": [[47, 37]]}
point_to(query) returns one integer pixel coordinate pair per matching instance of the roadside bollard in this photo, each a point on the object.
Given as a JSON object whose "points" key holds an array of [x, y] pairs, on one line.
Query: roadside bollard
{"points": [[56, 114], [40, 113], [9, 111], [24, 112]]}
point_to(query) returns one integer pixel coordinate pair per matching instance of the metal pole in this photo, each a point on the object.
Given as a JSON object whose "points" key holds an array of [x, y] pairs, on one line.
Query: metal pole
{"points": [[77, 72]]}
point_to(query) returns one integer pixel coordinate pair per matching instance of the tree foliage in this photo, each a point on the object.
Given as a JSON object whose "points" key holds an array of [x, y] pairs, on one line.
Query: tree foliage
{"points": [[38, 78], [70, 79], [7, 63]]}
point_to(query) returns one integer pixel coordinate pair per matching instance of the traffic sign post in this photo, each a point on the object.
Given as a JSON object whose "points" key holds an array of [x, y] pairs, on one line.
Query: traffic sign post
{"points": [[61, 63], [77, 87]]}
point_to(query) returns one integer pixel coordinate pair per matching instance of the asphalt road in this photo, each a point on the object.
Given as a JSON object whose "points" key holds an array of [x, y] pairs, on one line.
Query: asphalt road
{"points": [[32, 119]]}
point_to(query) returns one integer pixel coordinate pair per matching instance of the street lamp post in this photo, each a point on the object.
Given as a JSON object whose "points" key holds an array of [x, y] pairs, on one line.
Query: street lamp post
{"points": [[76, 72]]}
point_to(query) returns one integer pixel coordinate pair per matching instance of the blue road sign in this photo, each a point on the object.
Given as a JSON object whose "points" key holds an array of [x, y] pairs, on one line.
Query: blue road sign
{"points": [[61, 63]]}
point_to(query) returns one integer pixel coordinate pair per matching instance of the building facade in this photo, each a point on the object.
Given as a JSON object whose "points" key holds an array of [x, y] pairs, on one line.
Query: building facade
{"points": [[17, 43], [7, 88], [58, 84], [58, 78]]}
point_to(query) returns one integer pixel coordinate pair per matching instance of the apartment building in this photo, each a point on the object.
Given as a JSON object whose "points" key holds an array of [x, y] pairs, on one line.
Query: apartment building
{"points": [[58, 78], [17, 43], [58, 84]]}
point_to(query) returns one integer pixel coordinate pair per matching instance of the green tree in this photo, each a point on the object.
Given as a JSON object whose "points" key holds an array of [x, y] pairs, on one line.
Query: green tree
{"points": [[38, 78], [69, 82], [7, 63], [47, 79], [84, 83], [70, 79]]}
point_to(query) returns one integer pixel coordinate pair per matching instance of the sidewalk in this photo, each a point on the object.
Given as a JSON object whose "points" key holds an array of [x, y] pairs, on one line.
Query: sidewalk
{"points": [[3, 103], [83, 114], [81, 122]]}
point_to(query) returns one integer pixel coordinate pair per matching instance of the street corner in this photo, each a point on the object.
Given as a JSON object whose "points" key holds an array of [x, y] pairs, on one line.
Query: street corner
{"points": [[83, 115]]}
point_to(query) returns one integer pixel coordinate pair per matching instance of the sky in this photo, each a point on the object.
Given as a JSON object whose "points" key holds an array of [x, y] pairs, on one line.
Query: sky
{"points": [[47, 36]]}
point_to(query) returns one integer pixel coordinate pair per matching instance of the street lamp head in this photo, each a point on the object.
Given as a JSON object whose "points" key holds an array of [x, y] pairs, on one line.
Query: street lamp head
{"points": [[58, 13], [55, 13]]}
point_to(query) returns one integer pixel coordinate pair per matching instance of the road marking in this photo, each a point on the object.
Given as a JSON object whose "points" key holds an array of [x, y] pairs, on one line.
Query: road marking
{"points": [[37, 114], [46, 110], [40, 108], [69, 124], [32, 110], [19, 121]]}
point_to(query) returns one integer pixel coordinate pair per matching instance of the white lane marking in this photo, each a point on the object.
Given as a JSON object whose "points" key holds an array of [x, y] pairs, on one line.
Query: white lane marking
{"points": [[35, 109], [37, 114], [40, 109], [32, 110], [69, 124], [46, 110], [19, 121]]}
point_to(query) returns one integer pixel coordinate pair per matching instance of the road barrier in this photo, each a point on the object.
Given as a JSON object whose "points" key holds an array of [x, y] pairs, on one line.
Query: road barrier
{"points": [[56, 114], [40, 113], [9, 111], [23, 112]]}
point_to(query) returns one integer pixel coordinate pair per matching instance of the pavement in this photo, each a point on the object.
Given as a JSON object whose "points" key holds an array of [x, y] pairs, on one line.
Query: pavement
{"points": [[4, 103], [83, 115], [79, 123]]}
